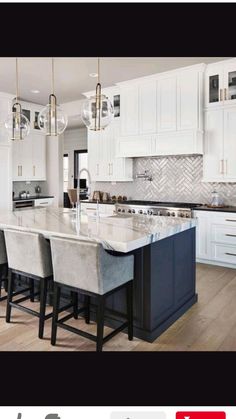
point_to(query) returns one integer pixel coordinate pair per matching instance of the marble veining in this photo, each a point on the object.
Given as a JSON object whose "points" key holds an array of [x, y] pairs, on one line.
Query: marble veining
{"points": [[122, 233]]}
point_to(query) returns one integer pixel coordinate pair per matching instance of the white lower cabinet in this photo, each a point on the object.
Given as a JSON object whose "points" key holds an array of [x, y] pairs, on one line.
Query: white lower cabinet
{"points": [[216, 238], [90, 208], [43, 202]]}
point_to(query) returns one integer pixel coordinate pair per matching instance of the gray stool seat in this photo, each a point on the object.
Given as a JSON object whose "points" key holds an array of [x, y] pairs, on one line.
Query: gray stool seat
{"points": [[3, 264], [28, 254], [87, 268]]}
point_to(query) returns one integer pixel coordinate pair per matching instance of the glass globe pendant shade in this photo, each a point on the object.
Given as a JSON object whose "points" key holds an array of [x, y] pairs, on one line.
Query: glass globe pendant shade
{"points": [[17, 124], [97, 112], [52, 120]]}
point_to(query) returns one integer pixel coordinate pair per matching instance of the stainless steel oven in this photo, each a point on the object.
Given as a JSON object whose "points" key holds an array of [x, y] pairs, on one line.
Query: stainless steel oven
{"points": [[28, 203]]}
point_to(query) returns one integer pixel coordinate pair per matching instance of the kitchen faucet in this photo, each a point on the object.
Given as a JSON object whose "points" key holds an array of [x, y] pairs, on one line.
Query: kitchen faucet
{"points": [[89, 183]]}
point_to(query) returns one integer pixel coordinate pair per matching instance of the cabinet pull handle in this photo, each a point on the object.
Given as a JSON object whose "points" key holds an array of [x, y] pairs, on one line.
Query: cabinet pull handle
{"points": [[97, 169], [18, 170], [228, 219], [33, 170], [108, 168], [226, 166], [230, 254], [221, 95], [221, 167], [225, 91], [111, 169], [231, 235]]}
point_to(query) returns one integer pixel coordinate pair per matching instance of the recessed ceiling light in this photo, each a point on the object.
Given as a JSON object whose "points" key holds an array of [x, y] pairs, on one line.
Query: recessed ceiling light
{"points": [[93, 74], [35, 91]]}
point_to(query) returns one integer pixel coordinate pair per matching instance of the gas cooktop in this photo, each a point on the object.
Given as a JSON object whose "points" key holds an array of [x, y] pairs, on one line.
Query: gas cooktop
{"points": [[161, 204]]}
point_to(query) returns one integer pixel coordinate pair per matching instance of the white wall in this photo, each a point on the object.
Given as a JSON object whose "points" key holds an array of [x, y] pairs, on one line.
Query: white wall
{"points": [[5, 154], [54, 153], [74, 139]]}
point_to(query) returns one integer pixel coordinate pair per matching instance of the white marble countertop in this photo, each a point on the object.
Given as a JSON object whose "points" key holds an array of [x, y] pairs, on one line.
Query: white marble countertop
{"points": [[122, 233]]}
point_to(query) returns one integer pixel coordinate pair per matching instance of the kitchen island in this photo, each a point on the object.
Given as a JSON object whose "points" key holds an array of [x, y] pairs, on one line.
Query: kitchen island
{"points": [[164, 250]]}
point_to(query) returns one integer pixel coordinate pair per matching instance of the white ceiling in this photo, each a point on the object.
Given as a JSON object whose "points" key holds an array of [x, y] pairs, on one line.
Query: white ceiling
{"points": [[72, 74]]}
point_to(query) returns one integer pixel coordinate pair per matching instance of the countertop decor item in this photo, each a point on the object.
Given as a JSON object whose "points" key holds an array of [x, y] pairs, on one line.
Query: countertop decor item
{"points": [[105, 197], [216, 200], [52, 120], [37, 189], [97, 196], [17, 124], [97, 112]]}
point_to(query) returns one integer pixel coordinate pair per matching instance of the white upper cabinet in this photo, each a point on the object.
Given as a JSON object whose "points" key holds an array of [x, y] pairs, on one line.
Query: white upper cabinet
{"points": [[29, 154], [188, 100], [219, 160], [147, 101], [230, 144], [166, 107], [220, 84], [213, 147], [162, 114], [103, 163], [130, 110]]}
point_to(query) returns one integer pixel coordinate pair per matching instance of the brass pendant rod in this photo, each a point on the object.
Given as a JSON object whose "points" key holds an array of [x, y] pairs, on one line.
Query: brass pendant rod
{"points": [[17, 81], [53, 90]]}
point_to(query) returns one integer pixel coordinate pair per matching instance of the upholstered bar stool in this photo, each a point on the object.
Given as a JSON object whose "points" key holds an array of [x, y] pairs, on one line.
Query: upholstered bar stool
{"points": [[28, 254], [72, 194], [3, 265], [86, 268]]}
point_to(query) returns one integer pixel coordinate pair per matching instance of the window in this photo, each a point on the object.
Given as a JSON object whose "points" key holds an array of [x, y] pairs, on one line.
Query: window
{"points": [[80, 162], [65, 172]]}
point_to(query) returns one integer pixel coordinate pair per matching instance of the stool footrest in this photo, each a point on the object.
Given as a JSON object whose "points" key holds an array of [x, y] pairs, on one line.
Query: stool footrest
{"points": [[20, 291], [77, 331], [3, 298], [115, 332]]}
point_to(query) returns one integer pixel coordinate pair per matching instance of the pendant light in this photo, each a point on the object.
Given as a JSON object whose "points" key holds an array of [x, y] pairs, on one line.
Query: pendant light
{"points": [[97, 111], [52, 120], [17, 124]]}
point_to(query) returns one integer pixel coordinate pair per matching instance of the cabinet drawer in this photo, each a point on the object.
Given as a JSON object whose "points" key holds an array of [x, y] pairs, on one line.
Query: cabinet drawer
{"points": [[224, 253], [223, 234], [43, 202]]}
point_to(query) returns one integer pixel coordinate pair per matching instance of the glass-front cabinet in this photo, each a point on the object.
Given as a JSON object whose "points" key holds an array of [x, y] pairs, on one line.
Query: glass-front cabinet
{"points": [[220, 84]]}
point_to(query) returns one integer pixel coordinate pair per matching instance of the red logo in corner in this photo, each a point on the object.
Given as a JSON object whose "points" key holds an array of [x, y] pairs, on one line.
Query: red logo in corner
{"points": [[200, 415]]}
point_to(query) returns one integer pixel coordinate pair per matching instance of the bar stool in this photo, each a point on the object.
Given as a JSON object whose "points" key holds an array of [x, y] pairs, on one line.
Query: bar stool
{"points": [[86, 268], [72, 195], [3, 265], [29, 255]]}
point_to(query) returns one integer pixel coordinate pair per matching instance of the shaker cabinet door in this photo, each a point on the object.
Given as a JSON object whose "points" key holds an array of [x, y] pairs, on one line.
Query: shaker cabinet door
{"points": [[213, 158], [147, 107], [230, 144], [187, 100], [167, 112], [129, 110]]}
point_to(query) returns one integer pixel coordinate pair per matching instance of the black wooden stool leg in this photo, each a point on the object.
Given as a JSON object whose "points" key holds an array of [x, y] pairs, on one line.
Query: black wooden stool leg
{"points": [[56, 305], [75, 304], [43, 297], [9, 295], [129, 296], [87, 309], [1, 275], [31, 281], [100, 322]]}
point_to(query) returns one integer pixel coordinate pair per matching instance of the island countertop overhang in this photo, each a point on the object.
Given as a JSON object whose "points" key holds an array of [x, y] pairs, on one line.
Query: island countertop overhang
{"points": [[118, 233]]}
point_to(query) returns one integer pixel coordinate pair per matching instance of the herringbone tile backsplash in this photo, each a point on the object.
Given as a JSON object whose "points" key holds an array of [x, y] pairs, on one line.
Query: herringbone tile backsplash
{"points": [[175, 178]]}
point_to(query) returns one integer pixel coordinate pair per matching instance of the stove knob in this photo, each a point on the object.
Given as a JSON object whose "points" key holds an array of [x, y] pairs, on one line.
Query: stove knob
{"points": [[119, 210], [129, 211], [168, 213], [133, 211], [140, 211], [150, 212], [187, 215], [181, 214], [173, 214], [123, 210]]}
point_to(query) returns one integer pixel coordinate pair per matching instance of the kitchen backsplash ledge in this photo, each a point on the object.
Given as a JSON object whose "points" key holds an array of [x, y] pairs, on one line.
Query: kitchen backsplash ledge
{"points": [[22, 186], [175, 178]]}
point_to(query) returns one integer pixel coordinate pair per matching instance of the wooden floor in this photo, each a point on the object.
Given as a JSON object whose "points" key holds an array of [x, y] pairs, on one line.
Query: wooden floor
{"points": [[210, 325]]}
